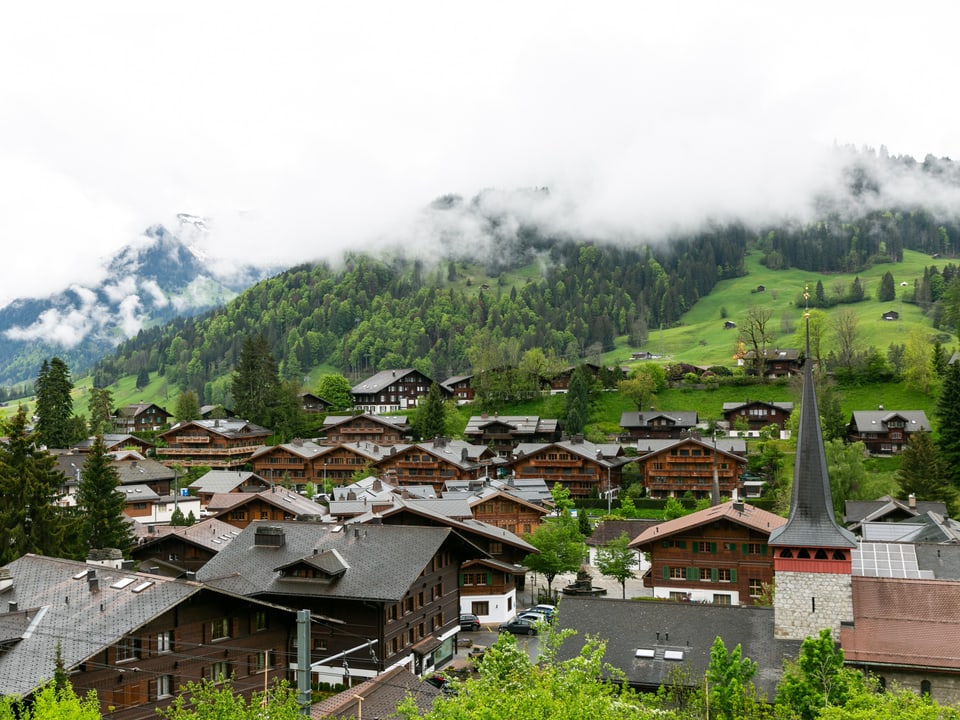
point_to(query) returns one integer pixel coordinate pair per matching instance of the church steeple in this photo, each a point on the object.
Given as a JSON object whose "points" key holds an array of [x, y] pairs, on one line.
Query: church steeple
{"points": [[812, 554], [811, 522]]}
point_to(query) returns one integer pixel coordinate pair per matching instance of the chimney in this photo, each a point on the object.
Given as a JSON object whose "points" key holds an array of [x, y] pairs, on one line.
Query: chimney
{"points": [[912, 501], [6, 580], [269, 536], [12, 606]]}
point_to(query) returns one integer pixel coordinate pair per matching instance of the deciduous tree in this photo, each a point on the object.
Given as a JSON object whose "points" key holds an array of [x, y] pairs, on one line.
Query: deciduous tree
{"points": [[615, 559], [187, 407], [817, 679], [756, 333], [335, 389], [561, 548], [730, 690]]}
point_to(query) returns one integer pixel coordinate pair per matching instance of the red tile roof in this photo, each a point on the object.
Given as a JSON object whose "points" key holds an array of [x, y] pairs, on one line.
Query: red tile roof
{"points": [[743, 514], [904, 623]]}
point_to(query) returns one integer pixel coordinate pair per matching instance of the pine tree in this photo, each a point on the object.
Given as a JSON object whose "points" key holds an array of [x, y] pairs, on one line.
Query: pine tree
{"points": [[104, 524], [30, 521], [948, 414], [430, 421], [888, 289], [100, 408], [256, 382], [577, 409], [54, 403], [143, 378], [922, 473]]}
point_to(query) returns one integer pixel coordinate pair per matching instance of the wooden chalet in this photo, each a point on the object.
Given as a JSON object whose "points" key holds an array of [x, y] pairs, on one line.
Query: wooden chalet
{"points": [[392, 391], [777, 362], [311, 403], [139, 417], [174, 551], [461, 388], [758, 414], [502, 433], [582, 467], [216, 482], [886, 432], [276, 504], [381, 430], [394, 585], [133, 638], [115, 442], [717, 555], [674, 467], [654, 424], [433, 463], [222, 444]]}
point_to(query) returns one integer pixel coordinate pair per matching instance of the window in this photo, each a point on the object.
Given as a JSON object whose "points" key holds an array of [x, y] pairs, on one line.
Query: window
{"points": [[703, 546], [319, 643], [259, 620], [924, 687], [678, 573], [165, 641], [262, 661], [723, 574], [220, 671], [756, 587], [496, 548], [239, 515], [679, 596], [391, 613], [220, 629], [730, 547], [706, 575], [757, 549], [481, 607], [719, 599], [128, 649], [164, 686]]}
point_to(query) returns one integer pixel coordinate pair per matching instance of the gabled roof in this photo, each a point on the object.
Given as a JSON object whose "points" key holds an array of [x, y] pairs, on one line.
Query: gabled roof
{"points": [[385, 378], [55, 606], [732, 406], [520, 424], [137, 493], [733, 448], [481, 497], [143, 470], [114, 440], [791, 354], [857, 512], [876, 420], [304, 449], [383, 560], [136, 409], [606, 454], [292, 503], [469, 525], [210, 534], [676, 419], [739, 513], [684, 630], [394, 421], [462, 454], [903, 623], [223, 481], [226, 427]]}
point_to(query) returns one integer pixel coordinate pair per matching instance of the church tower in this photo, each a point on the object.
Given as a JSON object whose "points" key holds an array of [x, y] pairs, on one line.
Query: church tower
{"points": [[812, 553]]}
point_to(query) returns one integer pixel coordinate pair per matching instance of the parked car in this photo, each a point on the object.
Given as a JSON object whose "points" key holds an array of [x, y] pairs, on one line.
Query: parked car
{"points": [[519, 626], [469, 621], [546, 610]]}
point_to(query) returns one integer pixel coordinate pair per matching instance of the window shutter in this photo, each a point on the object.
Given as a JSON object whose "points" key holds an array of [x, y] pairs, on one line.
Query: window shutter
{"points": [[489, 579], [666, 572], [691, 573], [696, 546], [746, 548], [714, 575], [733, 574], [664, 543], [682, 544], [763, 550], [713, 547]]}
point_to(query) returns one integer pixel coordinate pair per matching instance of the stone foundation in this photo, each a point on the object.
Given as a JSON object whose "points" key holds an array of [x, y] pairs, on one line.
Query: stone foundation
{"points": [[804, 603]]}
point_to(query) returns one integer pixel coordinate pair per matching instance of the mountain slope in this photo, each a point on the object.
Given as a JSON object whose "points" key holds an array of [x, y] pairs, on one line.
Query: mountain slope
{"points": [[150, 282]]}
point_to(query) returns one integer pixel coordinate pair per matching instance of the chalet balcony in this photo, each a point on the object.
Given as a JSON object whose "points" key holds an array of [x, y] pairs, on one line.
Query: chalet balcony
{"points": [[556, 463], [238, 451], [362, 431], [192, 439], [418, 465]]}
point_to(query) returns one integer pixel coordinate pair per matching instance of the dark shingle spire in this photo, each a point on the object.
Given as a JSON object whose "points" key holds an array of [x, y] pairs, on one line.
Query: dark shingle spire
{"points": [[811, 522]]}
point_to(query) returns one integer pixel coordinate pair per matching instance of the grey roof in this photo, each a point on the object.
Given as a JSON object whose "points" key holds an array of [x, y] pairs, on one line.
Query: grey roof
{"points": [[41, 588], [295, 504], [688, 629], [383, 560], [400, 421], [729, 445], [227, 427], [210, 534], [858, 511], [138, 493], [378, 697], [521, 424], [603, 453], [451, 507], [678, 418], [385, 378], [222, 481], [113, 440], [811, 522], [942, 560], [305, 449], [875, 420], [142, 471], [785, 406]]}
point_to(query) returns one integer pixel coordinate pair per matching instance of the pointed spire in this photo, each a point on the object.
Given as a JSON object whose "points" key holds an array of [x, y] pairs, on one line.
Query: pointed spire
{"points": [[811, 522]]}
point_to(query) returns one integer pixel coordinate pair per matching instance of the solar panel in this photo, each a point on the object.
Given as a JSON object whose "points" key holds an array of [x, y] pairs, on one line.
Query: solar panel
{"points": [[892, 560]]}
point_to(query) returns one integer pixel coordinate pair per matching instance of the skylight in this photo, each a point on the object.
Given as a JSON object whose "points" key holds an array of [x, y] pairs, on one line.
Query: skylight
{"points": [[673, 654], [645, 653], [123, 582], [142, 586]]}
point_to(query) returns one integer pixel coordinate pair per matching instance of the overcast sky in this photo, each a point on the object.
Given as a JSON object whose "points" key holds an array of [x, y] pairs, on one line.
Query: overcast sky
{"points": [[303, 128]]}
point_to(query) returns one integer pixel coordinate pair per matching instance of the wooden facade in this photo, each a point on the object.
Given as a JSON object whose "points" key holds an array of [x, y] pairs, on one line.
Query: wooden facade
{"points": [[436, 462], [506, 511], [221, 444], [758, 414], [688, 466], [392, 391], [717, 555], [139, 417], [577, 466], [339, 430]]}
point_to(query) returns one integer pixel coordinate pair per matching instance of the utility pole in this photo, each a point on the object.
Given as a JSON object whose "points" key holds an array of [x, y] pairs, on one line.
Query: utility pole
{"points": [[303, 661]]}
